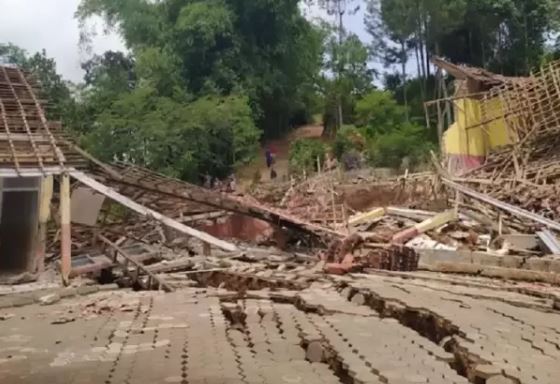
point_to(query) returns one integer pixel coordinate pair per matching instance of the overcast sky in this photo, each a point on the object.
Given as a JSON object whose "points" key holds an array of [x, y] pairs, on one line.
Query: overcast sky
{"points": [[50, 24]]}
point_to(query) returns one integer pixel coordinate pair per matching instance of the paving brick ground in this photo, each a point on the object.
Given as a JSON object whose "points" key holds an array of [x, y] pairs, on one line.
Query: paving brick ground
{"points": [[516, 335], [368, 329]]}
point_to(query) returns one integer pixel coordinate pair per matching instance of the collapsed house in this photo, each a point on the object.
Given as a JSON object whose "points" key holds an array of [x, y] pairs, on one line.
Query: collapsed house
{"points": [[39, 163], [348, 224], [353, 308]]}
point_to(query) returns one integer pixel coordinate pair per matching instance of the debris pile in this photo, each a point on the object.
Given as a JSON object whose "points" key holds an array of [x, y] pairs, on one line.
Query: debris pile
{"points": [[525, 174], [150, 231]]}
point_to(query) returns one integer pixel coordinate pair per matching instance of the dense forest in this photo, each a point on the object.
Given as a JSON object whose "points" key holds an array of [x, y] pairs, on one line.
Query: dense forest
{"points": [[204, 82]]}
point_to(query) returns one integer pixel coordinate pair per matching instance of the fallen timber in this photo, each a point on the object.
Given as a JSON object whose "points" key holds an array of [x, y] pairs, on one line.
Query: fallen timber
{"points": [[502, 205], [152, 280], [139, 178], [110, 193]]}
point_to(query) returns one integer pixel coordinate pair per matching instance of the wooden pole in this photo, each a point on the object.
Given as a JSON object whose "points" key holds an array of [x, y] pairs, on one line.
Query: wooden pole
{"points": [[65, 233], [44, 214], [146, 212]]}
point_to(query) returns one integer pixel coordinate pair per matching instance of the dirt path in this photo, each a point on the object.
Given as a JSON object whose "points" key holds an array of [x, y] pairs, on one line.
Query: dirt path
{"points": [[281, 149]]}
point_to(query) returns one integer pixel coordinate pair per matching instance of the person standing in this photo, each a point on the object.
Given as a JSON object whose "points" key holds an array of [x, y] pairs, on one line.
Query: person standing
{"points": [[268, 157]]}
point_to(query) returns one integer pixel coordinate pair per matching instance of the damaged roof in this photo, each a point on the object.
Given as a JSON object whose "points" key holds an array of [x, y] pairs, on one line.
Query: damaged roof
{"points": [[29, 143]]}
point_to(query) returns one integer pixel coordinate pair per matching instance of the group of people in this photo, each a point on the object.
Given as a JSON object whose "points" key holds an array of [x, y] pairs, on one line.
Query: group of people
{"points": [[228, 185]]}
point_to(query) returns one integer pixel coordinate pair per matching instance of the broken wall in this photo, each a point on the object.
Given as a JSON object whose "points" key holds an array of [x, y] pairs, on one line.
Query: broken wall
{"points": [[474, 134]]}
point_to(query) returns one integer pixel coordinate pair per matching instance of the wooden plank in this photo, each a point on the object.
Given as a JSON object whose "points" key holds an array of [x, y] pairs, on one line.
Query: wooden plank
{"points": [[65, 231], [519, 212], [139, 266], [46, 194], [112, 194]]}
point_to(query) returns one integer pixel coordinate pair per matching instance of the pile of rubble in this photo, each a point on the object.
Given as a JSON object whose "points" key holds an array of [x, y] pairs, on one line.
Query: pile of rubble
{"points": [[148, 231]]}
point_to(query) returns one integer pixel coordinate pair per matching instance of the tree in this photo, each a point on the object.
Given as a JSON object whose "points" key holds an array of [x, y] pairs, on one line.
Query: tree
{"points": [[264, 49], [506, 36], [201, 76], [354, 79], [392, 27], [339, 8]]}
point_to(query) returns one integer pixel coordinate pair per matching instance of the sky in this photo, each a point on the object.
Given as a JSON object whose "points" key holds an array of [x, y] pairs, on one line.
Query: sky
{"points": [[50, 24]]}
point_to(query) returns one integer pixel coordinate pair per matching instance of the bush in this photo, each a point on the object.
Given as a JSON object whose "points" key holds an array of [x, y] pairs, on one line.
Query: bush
{"points": [[185, 140], [403, 147], [304, 154], [378, 112], [391, 140], [348, 138]]}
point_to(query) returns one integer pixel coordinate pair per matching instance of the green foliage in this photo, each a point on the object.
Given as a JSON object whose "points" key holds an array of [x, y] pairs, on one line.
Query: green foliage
{"points": [[349, 77], [185, 140], [378, 112], [204, 23], [506, 36], [383, 133], [202, 76], [407, 146], [264, 49], [304, 154], [348, 138]]}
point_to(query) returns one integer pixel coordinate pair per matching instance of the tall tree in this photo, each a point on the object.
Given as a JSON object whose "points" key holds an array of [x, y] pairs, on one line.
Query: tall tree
{"points": [[253, 63], [263, 48], [338, 9], [392, 27]]}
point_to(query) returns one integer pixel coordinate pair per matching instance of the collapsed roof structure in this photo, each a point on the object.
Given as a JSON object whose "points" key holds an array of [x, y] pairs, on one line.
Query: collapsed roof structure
{"points": [[497, 223], [35, 156]]}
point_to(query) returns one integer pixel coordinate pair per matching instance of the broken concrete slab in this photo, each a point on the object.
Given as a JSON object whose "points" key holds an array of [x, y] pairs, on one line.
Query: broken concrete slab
{"points": [[315, 352], [49, 299]]}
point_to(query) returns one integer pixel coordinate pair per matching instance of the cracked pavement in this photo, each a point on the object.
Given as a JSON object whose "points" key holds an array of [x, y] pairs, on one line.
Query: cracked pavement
{"points": [[376, 328]]}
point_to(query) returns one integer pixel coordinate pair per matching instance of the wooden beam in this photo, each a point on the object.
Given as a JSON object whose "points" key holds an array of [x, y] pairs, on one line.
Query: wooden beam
{"points": [[174, 224], [425, 226], [65, 230], [44, 213], [512, 209], [139, 266]]}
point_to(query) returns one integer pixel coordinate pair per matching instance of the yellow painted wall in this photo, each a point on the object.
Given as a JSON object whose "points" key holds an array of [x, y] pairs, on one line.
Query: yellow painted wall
{"points": [[480, 140]]}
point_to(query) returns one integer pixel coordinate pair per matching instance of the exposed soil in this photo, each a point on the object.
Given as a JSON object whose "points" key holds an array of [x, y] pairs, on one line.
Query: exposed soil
{"points": [[281, 149]]}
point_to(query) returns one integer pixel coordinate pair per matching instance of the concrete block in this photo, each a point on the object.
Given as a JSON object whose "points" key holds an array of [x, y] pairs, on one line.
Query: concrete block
{"points": [[108, 287], [499, 380], [6, 302], [522, 241], [538, 264], [358, 299], [87, 289], [433, 256], [450, 267], [22, 300], [555, 266], [68, 292], [315, 352], [49, 299], [486, 259], [512, 261], [520, 274], [486, 371]]}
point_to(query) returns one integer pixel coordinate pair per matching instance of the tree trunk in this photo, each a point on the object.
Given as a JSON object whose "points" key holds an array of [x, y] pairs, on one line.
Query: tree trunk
{"points": [[419, 69], [526, 44], [426, 44], [404, 60], [340, 119]]}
